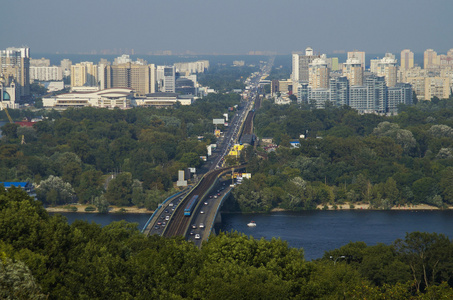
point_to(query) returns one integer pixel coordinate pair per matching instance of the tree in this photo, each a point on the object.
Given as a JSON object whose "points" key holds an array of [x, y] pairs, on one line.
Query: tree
{"points": [[17, 281], [428, 256], [119, 191], [101, 204], [9, 130], [55, 191]]}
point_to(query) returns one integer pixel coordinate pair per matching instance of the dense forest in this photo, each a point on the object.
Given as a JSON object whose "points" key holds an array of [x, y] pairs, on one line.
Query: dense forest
{"points": [[43, 257], [71, 155], [347, 158]]}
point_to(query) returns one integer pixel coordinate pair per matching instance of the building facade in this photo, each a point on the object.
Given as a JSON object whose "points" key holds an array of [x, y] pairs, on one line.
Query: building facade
{"points": [[15, 63], [84, 74]]}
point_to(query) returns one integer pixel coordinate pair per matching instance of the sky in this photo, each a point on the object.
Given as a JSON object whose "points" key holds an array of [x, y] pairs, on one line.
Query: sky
{"points": [[227, 26]]}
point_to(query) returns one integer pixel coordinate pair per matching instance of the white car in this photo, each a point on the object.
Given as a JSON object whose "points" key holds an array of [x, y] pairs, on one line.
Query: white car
{"points": [[197, 236], [201, 225]]}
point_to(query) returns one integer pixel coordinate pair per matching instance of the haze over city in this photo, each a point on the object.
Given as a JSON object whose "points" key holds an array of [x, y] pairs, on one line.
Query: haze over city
{"points": [[226, 27]]}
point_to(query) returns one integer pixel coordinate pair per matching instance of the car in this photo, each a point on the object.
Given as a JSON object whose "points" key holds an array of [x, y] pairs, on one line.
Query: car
{"points": [[194, 226], [159, 223], [218, 194], [197, 236], [215, 196], [192, 233], [171, 204], [201, 225], [166, 211], [210, 196], [206, 203], [167, 218], [156, 227], [202, 212]]}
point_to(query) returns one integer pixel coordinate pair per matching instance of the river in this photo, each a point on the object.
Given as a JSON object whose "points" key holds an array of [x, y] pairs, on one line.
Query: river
{"points": [[316, 231]]}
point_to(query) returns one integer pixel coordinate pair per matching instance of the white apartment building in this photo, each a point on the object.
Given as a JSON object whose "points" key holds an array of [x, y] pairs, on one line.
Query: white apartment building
{"points": [[53, 73]]}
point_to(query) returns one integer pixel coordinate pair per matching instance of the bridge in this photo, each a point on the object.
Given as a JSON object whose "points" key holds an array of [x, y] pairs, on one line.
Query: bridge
{"points": [[196, 223]]}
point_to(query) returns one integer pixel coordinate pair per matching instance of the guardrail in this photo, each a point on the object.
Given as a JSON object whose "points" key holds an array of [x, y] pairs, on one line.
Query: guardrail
{"points": [[158, 208], [217, 211]]}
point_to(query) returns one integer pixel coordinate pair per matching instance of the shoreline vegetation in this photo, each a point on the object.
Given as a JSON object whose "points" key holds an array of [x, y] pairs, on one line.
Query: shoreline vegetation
{"points": [[81, 208]]}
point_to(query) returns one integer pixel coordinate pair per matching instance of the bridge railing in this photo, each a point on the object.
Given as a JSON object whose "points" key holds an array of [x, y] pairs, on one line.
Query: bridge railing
{"points": [[218, 211], [158, 208]]}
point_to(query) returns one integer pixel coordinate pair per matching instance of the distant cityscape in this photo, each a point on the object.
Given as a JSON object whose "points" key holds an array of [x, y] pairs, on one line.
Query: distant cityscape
{"points": [[319, 80], [315, 79]]}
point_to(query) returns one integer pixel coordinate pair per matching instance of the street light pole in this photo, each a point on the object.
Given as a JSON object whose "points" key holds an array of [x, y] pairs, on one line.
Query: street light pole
{"points": [[335, 260]]}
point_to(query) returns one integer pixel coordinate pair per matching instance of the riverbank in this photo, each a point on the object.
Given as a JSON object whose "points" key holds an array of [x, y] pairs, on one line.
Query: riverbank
{"points": [[112, 209], [366, 206]]}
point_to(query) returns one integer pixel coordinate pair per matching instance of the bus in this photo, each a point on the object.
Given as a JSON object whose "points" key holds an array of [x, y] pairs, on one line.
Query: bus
{"points": [[191, 205]]}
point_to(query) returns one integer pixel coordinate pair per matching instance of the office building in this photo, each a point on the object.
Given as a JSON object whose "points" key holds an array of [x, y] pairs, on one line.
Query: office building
{"points": [[84, 74], [318, 74], [353, 70], [136, 76], [15, 63], [166, 78], [185, 86], [407, 59], [285, 86], [359, 55]]}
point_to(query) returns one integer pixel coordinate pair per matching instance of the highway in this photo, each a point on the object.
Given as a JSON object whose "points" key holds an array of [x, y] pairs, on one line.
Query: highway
{"points": [[169, 220]]}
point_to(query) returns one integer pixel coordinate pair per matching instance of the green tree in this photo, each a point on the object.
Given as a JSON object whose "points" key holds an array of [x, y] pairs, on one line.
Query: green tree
{"points": [[119, 191]]}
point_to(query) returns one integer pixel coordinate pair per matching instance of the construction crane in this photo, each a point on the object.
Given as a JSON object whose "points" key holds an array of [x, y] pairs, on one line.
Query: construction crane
{"points": [[7, 113]]}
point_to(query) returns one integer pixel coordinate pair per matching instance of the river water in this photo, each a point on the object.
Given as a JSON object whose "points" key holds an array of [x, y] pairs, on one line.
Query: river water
{"points": [[316, 231]]}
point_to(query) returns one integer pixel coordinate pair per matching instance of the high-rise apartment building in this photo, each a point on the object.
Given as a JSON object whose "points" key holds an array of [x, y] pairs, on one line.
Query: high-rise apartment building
{"points": [[84, 74], [437, 87], [301, 64], [386, 67], [376, 94], [407, 59], [318, 74], [66, 67], [430, 59], [360, 55], [49, 73], [339, 91], [15, 63], [401, 93], [42, 62], [353, 70]]}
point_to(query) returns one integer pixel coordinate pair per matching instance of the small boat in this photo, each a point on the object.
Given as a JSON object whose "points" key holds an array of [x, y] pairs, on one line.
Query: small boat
{"points": [[251, 224]]}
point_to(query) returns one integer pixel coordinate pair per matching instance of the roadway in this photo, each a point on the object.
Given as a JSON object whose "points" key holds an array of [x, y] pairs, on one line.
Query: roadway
{"points": [[171, 213]]}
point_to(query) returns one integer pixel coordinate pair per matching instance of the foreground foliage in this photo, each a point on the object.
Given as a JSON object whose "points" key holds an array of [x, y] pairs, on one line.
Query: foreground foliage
{"points": [[50, 258]]}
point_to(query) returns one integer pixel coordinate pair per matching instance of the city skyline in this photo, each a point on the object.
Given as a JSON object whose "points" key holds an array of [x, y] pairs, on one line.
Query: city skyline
{"points": [[233, 27]]}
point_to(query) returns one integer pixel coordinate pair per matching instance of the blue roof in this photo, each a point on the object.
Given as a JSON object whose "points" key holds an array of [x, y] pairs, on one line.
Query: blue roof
{"points": [[16, 184]]}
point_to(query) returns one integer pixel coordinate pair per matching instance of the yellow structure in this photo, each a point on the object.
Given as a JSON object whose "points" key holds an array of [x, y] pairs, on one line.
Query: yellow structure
{"points": [[236, 150]]}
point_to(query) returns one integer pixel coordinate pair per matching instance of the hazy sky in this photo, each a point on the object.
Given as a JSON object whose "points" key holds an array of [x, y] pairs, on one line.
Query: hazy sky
{"points": [[227, 26]]}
